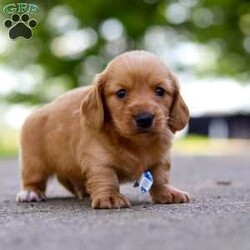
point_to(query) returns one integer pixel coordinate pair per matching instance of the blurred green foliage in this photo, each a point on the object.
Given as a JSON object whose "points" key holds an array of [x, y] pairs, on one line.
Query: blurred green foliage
{"points": [[223, 26]]}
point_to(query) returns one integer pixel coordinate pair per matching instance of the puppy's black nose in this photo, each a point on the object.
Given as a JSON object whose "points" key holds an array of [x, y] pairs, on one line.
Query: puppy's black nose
{"points": [[144, 120]]}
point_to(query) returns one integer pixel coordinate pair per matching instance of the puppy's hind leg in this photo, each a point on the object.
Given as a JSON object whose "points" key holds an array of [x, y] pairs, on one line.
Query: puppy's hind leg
{"points": [[33, 183], [34, 169]]}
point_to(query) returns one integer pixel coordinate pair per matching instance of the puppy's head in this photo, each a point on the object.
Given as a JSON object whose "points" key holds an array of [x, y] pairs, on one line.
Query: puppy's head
{"points": [[137, 95]]}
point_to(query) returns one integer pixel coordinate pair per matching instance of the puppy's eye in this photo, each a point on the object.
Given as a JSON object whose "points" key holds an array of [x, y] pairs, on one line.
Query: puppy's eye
{"points": [[160, 91], [121, 93]]}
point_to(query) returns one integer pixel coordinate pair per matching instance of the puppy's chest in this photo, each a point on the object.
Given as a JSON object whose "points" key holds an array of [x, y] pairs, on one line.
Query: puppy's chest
{"points": [[130, 165]]}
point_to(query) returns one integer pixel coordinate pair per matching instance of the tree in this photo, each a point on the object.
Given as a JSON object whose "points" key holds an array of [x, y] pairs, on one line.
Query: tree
{"points": [[75, 39]]}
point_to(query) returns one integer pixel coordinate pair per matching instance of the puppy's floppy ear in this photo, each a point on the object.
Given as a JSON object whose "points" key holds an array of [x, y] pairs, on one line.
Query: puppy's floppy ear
{"points": [[92, 106], [179, 113]]}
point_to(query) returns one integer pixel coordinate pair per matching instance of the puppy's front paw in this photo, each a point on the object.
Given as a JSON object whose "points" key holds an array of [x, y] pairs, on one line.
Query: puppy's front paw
{"points": [[115, 200], [168, 194], [30, 196]]}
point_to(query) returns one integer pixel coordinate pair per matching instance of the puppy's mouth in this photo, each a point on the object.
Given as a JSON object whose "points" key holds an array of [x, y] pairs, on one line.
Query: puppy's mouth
{"points": [[145, 131], [144, 125]]}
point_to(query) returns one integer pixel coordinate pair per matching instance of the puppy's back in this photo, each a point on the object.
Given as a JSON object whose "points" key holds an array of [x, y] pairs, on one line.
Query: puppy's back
{"points": [[52, 127]]}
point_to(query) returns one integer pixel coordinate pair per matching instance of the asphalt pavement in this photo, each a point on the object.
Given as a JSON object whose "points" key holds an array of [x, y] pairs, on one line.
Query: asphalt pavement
{"points": [[218, 216]]}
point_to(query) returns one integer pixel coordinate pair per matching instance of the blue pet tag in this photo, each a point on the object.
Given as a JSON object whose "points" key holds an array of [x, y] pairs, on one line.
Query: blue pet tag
{"points": [[145, 182]]}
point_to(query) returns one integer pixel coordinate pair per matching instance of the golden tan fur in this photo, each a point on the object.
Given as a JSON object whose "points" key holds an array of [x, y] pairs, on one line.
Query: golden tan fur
{"points": [[89, 139]]}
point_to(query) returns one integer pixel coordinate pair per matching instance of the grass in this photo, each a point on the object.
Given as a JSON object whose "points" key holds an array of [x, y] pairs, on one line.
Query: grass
{"points": [[8, 142], [201, 145], [193, 145]]}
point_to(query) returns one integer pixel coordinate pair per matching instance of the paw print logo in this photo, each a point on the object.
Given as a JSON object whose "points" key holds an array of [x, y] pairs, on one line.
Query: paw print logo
{"points": [[20, 26]]}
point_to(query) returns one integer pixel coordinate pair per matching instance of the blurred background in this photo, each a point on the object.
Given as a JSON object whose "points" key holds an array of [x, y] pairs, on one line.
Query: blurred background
{"points": [[205, 42]]}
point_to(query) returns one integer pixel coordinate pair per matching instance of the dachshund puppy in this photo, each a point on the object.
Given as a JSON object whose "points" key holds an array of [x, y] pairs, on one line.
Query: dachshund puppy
{"points": [[93, 138]]}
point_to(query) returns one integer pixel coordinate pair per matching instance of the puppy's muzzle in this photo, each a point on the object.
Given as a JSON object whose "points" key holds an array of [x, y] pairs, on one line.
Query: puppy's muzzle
{"points": [[144, 120]]}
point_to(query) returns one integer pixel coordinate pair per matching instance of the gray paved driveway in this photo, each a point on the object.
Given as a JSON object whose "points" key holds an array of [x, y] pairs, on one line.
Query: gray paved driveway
{"points": [[218, 217]]}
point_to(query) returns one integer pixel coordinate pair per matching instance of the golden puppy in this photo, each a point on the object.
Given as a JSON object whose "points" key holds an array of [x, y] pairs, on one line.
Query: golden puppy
{"points": [[92, 138]]}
